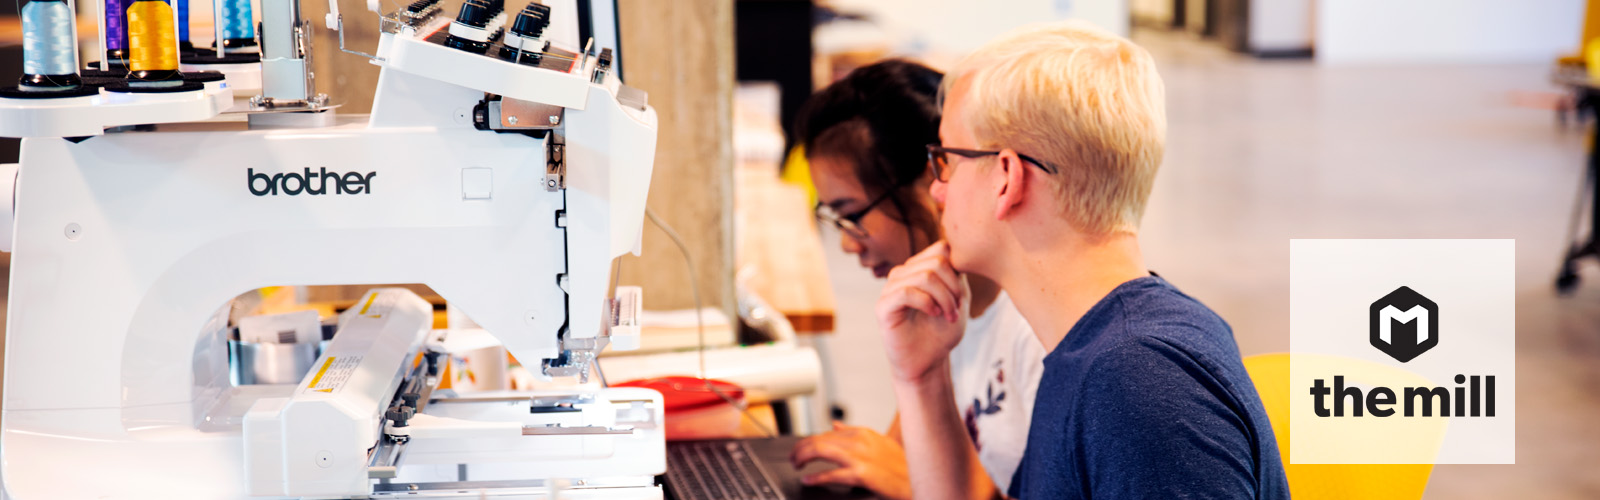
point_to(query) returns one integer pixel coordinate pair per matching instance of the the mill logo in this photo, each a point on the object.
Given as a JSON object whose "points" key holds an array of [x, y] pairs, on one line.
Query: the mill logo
{"points": [[1404, 324], [1402, 351]]}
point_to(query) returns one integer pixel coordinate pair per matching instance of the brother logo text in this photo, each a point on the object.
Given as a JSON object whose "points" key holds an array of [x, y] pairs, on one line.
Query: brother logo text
{"points": [[313, 183]]}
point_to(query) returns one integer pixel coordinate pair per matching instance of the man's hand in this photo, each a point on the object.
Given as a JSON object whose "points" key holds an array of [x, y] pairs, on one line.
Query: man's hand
{"points": [[866, 459], [923, 313]]}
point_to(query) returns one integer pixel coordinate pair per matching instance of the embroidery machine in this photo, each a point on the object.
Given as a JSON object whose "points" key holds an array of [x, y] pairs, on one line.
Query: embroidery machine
{"points": [[506, 184]]}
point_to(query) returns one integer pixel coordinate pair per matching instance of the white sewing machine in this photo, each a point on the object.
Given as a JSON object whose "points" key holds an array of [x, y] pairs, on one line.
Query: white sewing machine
{"points": [[507, 188]]}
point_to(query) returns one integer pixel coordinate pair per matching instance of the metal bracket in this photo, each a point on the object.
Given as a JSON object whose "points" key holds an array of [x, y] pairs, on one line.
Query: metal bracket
{"points": [[416, 391], [601, 66], [576, 356], [384, 461], [385, 25], [260, 103], [555, 171], [518, 114]]}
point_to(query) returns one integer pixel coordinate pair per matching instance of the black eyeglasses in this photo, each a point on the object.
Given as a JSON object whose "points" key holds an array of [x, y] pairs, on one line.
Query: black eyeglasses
{"points": [[939, 158], [850, 223]]}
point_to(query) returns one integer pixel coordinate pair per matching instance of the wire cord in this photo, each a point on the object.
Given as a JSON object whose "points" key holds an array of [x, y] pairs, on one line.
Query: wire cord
{"points": [[700, 321]]}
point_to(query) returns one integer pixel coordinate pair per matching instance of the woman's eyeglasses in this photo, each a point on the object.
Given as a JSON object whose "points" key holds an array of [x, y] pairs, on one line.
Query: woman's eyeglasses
{"points": [[939, 158], [850, 223]]}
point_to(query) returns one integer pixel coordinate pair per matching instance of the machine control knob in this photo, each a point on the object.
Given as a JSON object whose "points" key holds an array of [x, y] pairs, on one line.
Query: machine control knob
{"points": [[470, 31], [400, 414], [432, 358], [525, 43], [475, 13], [532, 21]]}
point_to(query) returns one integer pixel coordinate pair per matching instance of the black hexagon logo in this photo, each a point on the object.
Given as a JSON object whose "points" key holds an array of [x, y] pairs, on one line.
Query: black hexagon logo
{"points": [[1404, 324]]}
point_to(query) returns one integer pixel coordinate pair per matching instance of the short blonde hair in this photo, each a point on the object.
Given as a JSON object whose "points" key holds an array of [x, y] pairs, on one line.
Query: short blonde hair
{"points": [[1083, 100]]}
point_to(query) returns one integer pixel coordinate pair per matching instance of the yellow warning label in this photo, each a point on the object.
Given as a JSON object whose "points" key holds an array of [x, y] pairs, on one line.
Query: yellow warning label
{"points": [[333, 374], [370, 299], [321, 371]]}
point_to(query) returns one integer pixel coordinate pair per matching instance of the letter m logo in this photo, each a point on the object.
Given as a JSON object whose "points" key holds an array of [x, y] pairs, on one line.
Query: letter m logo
{"points": [[1404, 324]]}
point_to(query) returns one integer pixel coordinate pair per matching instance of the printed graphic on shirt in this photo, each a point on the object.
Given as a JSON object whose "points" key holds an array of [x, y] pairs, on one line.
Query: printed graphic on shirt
{"points": [[980, 408]]}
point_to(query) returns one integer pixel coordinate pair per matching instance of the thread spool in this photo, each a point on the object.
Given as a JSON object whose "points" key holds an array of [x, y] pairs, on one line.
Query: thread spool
{"points": [[238, 26], [183, 27], [49, 51], [152, 48], [116, 14]]}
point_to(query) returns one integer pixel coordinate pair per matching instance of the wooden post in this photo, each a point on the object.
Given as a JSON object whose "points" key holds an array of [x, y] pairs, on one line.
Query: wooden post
{"points": [[681, 52]]}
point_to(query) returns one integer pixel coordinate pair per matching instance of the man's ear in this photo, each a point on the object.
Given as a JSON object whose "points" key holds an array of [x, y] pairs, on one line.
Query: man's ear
{"points": [[1012, 184]]}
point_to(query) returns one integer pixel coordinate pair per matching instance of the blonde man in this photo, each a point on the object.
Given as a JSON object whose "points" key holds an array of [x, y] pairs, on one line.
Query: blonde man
{"points": [[1050, 143]]}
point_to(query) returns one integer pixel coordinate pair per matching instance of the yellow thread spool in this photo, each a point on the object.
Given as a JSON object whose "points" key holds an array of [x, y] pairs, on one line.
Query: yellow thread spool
{"points": [[152, 41]]}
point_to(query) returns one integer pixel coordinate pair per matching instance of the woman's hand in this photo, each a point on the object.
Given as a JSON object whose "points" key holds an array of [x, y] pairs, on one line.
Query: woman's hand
{"points": [[866, 459], [923, 313]]}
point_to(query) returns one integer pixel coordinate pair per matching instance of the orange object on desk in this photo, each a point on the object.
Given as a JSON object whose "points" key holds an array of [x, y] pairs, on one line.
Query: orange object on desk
{"points": [[680, 393]]}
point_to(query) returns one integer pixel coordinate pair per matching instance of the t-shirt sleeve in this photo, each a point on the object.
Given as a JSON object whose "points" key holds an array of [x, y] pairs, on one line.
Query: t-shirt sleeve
{"points": [[1154, 423]]}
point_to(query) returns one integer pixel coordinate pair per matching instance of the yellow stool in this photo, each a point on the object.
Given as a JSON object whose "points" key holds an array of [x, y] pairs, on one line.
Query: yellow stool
{"points": [[1591, 31], [1327, 481]]}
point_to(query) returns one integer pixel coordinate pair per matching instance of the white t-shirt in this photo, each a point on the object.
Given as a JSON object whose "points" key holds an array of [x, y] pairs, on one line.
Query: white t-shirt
{"points": [[995, 371]]}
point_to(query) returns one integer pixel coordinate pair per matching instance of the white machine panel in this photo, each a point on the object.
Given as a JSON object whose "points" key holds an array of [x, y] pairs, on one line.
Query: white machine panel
{"points": [[315, 442], [137, 219]]}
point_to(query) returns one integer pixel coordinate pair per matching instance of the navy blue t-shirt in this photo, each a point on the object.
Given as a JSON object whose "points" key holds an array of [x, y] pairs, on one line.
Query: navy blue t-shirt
{"points": [[1146, 397]]}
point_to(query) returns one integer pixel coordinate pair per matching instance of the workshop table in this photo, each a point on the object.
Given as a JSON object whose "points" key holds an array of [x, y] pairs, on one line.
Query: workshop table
{"points": [[779, 253], [780, 258]]}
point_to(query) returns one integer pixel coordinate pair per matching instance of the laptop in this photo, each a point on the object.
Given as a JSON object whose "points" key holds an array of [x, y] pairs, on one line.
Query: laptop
{"points": [[756, 469]]}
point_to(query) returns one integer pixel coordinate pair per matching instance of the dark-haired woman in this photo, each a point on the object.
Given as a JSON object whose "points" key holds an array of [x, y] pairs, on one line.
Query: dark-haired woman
{"points": [[865, 138]]}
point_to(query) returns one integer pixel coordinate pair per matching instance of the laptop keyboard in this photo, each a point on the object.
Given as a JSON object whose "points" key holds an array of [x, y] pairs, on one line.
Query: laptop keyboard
{"points": [[705, 470]]}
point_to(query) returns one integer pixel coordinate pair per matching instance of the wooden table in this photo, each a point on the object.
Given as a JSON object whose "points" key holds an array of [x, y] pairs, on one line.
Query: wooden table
{"points": [[778, 251]]}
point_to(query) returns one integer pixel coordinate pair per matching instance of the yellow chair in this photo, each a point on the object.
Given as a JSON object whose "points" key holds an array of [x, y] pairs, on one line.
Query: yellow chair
{"points": [[1591, 30], [1325, 481]]}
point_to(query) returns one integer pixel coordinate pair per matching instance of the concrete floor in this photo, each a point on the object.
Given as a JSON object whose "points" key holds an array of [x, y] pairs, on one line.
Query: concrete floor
{"points": [[1260, 152]]}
